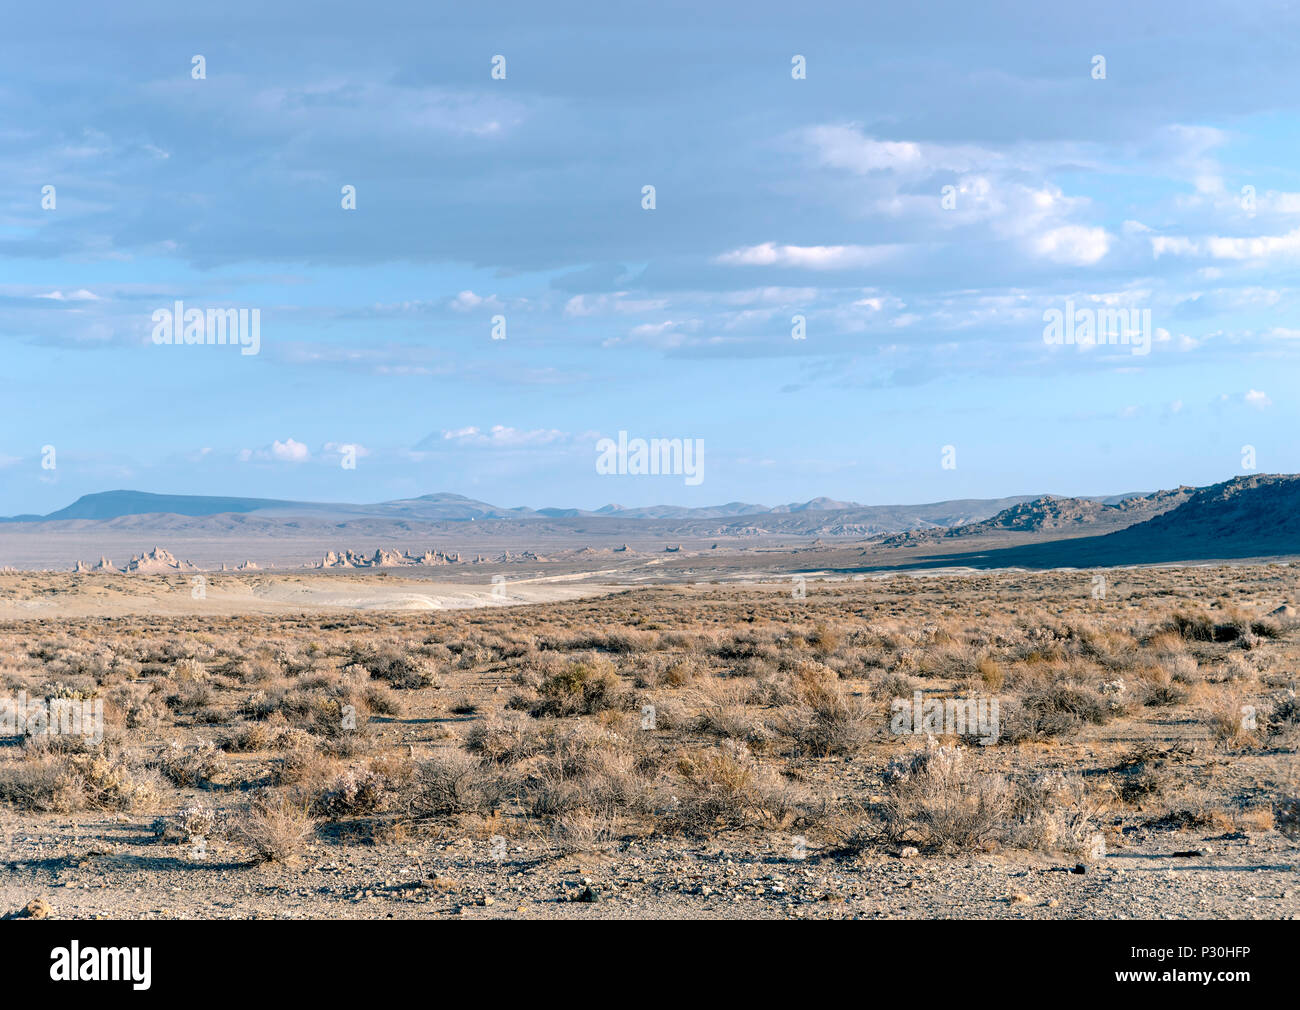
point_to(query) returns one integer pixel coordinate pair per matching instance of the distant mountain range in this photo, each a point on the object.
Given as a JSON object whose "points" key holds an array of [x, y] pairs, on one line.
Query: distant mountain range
{"points": [[1254, 516], [1053, 514], [819, 516]]}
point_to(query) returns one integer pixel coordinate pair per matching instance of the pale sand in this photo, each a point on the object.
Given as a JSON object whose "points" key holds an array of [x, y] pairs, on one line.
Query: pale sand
{"points": [[34, 597]]}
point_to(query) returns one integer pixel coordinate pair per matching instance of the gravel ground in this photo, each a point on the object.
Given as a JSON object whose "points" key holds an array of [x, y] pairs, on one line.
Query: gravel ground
{"points": [[114, 869]]}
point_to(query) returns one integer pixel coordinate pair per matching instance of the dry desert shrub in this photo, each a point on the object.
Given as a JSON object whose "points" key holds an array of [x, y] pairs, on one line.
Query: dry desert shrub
{"points": [[583, 687], [1286, 817], [101, 780], [725, 788], [1284, 721], [1156, 687], [453, 782], [1049, 709], [192, 822], [505, 739], [396, 666], [828, 719], [1054, 812], [1234, 724], [937, 802], [192, 766], [274, 826], [1226, 626], [593, 778], [358, 792]]}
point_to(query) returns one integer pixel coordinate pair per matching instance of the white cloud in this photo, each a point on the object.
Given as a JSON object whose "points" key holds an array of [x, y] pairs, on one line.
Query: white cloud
{"points": [[467, 301], [667, 334], [80, 295], [1076, 245], [500, 436], [587, 305], [808, 257], [844, 146], [290, 451], [1255, 398]]}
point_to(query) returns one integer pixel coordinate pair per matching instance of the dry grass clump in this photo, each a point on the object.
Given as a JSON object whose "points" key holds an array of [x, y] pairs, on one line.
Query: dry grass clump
{"points": [[725, 788], [105, 779], [584, 687], [1233, 723], [358, 792], [274, 826], [192, 766], [1050, 709], [396, 666], [828, 719], [1054, 812], [937, 802], [453, 782]]}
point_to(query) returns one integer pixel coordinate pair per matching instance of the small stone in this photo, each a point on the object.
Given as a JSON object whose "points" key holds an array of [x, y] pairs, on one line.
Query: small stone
{"points": [[37, 908]]}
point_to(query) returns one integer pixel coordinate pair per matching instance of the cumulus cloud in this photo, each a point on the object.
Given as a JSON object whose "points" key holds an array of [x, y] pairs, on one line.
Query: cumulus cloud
{"points": [[499, 436], [845, 146], [80, 295], [807, 257], [288, 451], [1074, 245], [467, 301]]}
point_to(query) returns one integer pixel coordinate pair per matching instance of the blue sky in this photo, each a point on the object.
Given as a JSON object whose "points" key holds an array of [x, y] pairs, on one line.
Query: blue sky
{"points": [[775, 197]]}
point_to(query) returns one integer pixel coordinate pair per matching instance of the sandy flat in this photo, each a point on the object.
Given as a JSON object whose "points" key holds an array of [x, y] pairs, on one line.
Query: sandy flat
{"points": [[35, 597]]}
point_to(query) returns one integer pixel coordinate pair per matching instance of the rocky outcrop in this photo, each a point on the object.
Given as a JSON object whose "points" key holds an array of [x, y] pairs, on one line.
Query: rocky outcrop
{"points": [[157, 561]]}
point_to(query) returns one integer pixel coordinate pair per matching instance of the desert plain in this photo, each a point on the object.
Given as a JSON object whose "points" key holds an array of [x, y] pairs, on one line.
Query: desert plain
{"points": [[709, 731]]}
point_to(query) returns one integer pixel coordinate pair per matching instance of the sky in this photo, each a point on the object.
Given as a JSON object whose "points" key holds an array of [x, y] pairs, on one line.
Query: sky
{"points": [[862, 218]]}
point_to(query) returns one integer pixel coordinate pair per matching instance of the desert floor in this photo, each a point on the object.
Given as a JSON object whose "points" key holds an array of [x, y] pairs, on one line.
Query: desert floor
{"points": [[656, 750]]}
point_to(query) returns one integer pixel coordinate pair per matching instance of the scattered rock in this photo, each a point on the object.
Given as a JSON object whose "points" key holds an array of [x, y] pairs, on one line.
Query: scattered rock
{"points": [[37, 908]]}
